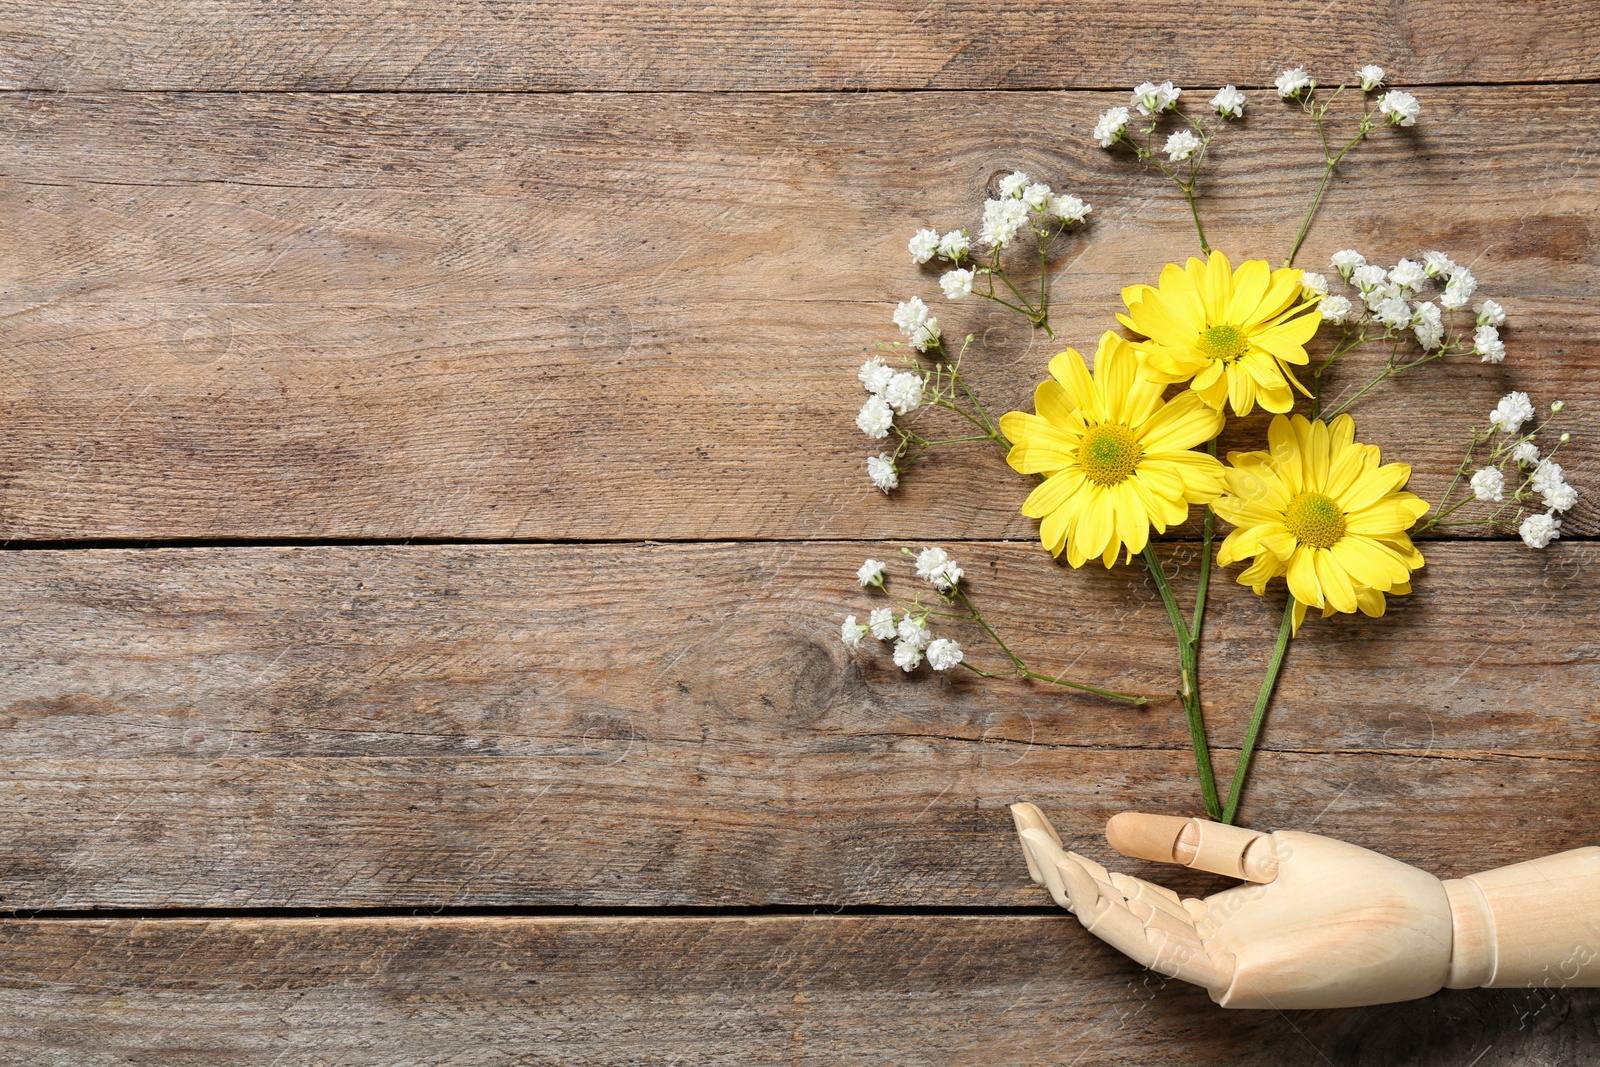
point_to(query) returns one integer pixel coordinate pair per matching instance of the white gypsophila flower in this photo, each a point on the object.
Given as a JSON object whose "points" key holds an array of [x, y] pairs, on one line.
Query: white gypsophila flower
{"points": [[1335, 309], [1459, 289], [914, 632], [1526, 454], [929, 560], [954, 245], [1408, 275], [904, 393], [881, 623], [1393, 312], [884, 474], [1539, 530], [1490, 313], [1013, 184], [1371, 77], [1109, 127], [1561, 497], [1228, 103], [907, 656], [1435, 264], [1399, 107], [1068, 208], [1182, 145], [1486, 343], [1152, 99], [923, 246], [871, 572], [1547, 476], [1313, 284], [920, 328], [935, 565], [1513, 410], [875, 418], [1428, 324], [957, 284], [909, 314], [1293, 82], [1369, 276], [1036, 196], [1375, 296], [851, 632], [875, 375], [1347, 261], [1489, 484], [1001, 221], [944, 654]]}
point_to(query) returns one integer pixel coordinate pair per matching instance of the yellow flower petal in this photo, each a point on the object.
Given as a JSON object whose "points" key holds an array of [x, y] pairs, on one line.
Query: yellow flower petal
{"points": [[1303, 583], [1053, 492], [1069, 369], [1249, 286], [1335, 581], [1317, 483], [1182, 423]]}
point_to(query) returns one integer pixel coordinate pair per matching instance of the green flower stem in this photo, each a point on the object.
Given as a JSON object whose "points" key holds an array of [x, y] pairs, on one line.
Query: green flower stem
{"points": [[1020, 667], [1446, 513], [1391, 369], [1194, 212], [1188, 662], [1008, 304], [1242, 768], [1330, 161]]}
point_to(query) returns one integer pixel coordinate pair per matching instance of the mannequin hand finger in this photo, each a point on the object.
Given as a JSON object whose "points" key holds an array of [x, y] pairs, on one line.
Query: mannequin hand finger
{"points": [[1203, 845], [1029, 817], [1145, 932]]}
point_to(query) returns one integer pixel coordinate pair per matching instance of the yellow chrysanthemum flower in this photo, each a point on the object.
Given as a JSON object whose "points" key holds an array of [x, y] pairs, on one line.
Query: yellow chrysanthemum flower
{"points": [[1319, 509], [1116, 459], [1228, 333]]}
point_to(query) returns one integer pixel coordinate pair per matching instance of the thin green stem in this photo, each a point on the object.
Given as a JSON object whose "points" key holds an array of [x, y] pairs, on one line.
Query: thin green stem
{"points": [[1330, 161], [1305, 226], [1242, 768], [1194, 212], [1188, 663], [1020, 667], [1008, 304]]}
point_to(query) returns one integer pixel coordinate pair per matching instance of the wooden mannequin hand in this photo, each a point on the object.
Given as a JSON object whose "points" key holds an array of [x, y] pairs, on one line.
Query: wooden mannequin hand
{"points": [[1322, 923]]}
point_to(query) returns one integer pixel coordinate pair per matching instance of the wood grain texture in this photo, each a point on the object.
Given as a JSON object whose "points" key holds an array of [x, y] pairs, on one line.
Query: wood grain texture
{"points": [[354, 45], [640, 316], [929, 990], [679, 725]]}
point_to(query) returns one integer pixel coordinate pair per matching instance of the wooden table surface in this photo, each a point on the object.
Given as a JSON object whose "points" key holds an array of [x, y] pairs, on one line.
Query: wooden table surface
{"points": [[429, 496]]}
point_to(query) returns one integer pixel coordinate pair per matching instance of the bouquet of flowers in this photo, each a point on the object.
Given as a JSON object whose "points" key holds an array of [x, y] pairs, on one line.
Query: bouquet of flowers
{"points": [[1126, 446]]}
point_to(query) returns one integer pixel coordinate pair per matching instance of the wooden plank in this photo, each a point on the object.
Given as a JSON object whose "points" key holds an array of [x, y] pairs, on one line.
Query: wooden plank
{"points": [[845, 990], [356, 45], [679, 725], [640, 316]]}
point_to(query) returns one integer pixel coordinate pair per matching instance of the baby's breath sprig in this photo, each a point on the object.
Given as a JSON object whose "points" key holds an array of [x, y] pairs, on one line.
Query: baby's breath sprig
{"points": [[1389, 307], [1023, 204], [1185, 146], [1512, 457], [897, 396], [913, 637], [1400, 108]]}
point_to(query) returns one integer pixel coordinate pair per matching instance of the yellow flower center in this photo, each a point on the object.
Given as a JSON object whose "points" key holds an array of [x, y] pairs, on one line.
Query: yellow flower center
{"points": [[1226, 343], [1109, 453], [1315, 520]]}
